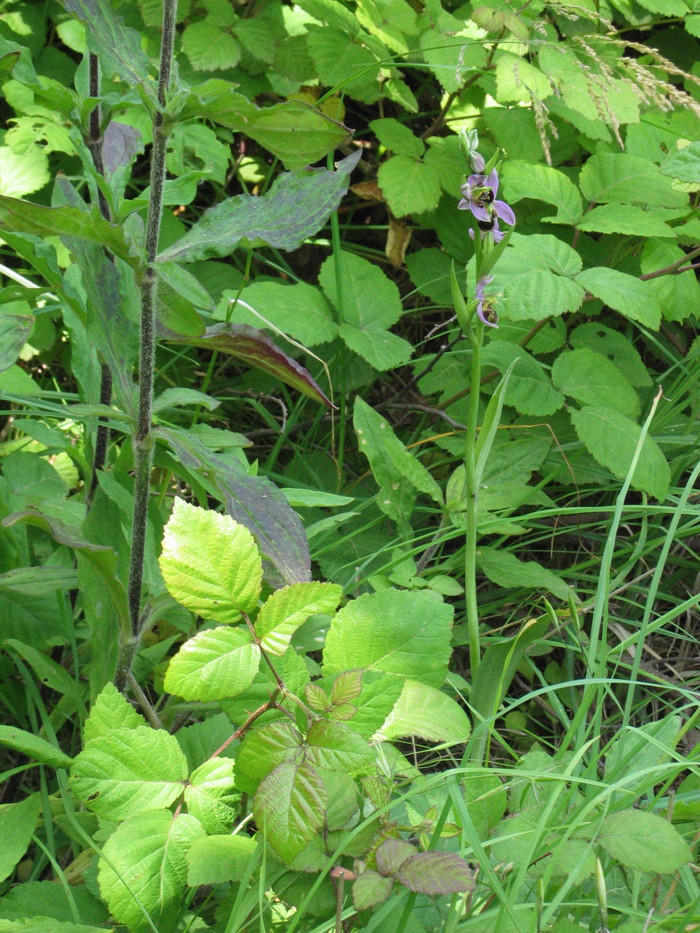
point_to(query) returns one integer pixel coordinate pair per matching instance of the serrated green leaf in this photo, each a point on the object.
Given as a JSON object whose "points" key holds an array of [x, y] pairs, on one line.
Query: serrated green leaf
{"points": [[218, 859], [409, 186], [214, 665], [34, 747], [644, 841], [529, 389], [342, 63], [683, 164], [678, 295], [22, 174], [506, 569], [382, 349], [402, 633], [263, 749], [391, 855], [627, 179], [289, 807], [335, 746], [209, 47], [518, 80], [210, 795], [129, 770], [615, 346], [624, 293], [300, 310], [543, 183], [369, 889], [435, 873], [297, 133], [397, 137], [143, 871], [210, 563], [110, 711], [452, 58], [297, 206], [427, 713], [346, 687], [17, 825], [593, 379], [379, 694], [612, 439], [290, 607], [624, 218]]}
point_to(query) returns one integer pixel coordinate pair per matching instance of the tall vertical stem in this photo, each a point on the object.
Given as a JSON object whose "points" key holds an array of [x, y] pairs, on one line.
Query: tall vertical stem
{"points": [[476, 339], [143, 439]]}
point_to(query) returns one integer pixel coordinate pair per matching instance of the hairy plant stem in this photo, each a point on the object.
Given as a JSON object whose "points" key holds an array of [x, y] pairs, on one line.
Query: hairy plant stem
{"points": [[476, 339], [143, 438]]}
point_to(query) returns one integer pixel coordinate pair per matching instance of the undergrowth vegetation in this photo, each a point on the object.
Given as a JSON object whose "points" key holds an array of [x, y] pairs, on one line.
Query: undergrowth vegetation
{"points": [[349, 549]]}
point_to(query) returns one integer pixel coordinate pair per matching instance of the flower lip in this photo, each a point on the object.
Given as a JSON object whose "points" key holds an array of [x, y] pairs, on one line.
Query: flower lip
{"points": [[484, 309]]}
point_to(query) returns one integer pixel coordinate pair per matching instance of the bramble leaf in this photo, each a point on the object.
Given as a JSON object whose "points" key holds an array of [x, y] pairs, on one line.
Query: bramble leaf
{"points": [[213, 665], [289, 807], [290, 607]]}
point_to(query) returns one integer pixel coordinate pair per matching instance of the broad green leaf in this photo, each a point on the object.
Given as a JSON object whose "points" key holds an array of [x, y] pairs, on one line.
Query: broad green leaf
{"points": [[369, 303], [685, 163], [110, 711], [263, 749], [300, 310], [379, 694], [341, 63], [18, 822], [129, 770], [430, 273], [452, 57], [624, 218], [210, 795], [397, 137], [627, 179], [390, 20], [536, 273], [252, 501], [213, 665], [394, 631], [425, 712], [486, 799], [612, 439], [335, 746], [296, 132], [593, 379], [289, 807], [643, 748], [435, 873], [529, 389], [14, 330], [666, 7], [36, 924], [615, 346], [370, 889], [22, 174], [255, 348], [391, 855], [289, 608], [625, 293], [518, 80], [506, 569], [117, 46], [543, 183], [143, 869], [678, 295], [25, 217], [34, 747], [210, 563], [346, 687], [210, 48], [410, 186], [218, 859], [644, 841], [218, 101], [21, 902], [297, 206], [513, 130]]}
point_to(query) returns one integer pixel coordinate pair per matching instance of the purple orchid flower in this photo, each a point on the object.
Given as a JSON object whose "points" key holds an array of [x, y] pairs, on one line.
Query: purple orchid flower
{"points": [[480, 198], [484, 309]]}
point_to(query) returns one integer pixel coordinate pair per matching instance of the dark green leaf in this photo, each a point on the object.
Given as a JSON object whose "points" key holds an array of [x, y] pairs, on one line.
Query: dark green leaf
{"points": [[14, 330]]}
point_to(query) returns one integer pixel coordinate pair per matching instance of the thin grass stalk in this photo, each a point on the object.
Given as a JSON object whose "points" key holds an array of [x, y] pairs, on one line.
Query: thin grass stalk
{"points": [[470, 538]]}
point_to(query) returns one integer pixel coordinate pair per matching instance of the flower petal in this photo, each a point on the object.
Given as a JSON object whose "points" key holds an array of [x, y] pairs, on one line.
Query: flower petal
{"points": [[504, 211]]}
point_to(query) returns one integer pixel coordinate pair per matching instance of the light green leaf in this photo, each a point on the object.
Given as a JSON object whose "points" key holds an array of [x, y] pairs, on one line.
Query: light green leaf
{"points": [[643, 748], [296, 132], [210, 795], [218, 859], [290, 607], [289, 806], [380, 693], [536, 274], [452, 57], [666, 7], [369, 303], [683, 164], [342, 63], [143, 871], [409, 186], [17, 824], [297, 206], [543, 183], [624, 293], [504, 569], [529, 389], [263, 749], [397, 137], [518, 80], [612, 439], [129, 770], [370, 889], [614, 346], [34, 747], [425, 712], [210, 563], [110, 711], [678, 295], [402, 633], [593, 379], [22, 174], [628, 179], [210, 48], [45, 925], [300, 310], [624, 218], [213, 665], [335, 746], [644, 841]]}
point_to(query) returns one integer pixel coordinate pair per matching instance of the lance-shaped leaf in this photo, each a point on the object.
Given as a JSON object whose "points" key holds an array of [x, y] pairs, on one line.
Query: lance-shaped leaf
{"points": [[14, 330], [34, 747], [18, 822], [252, 501], [297, 206], [289, 608], [255, 347], [289, 807], [19, 216], [214, 665], [118, 46]]}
